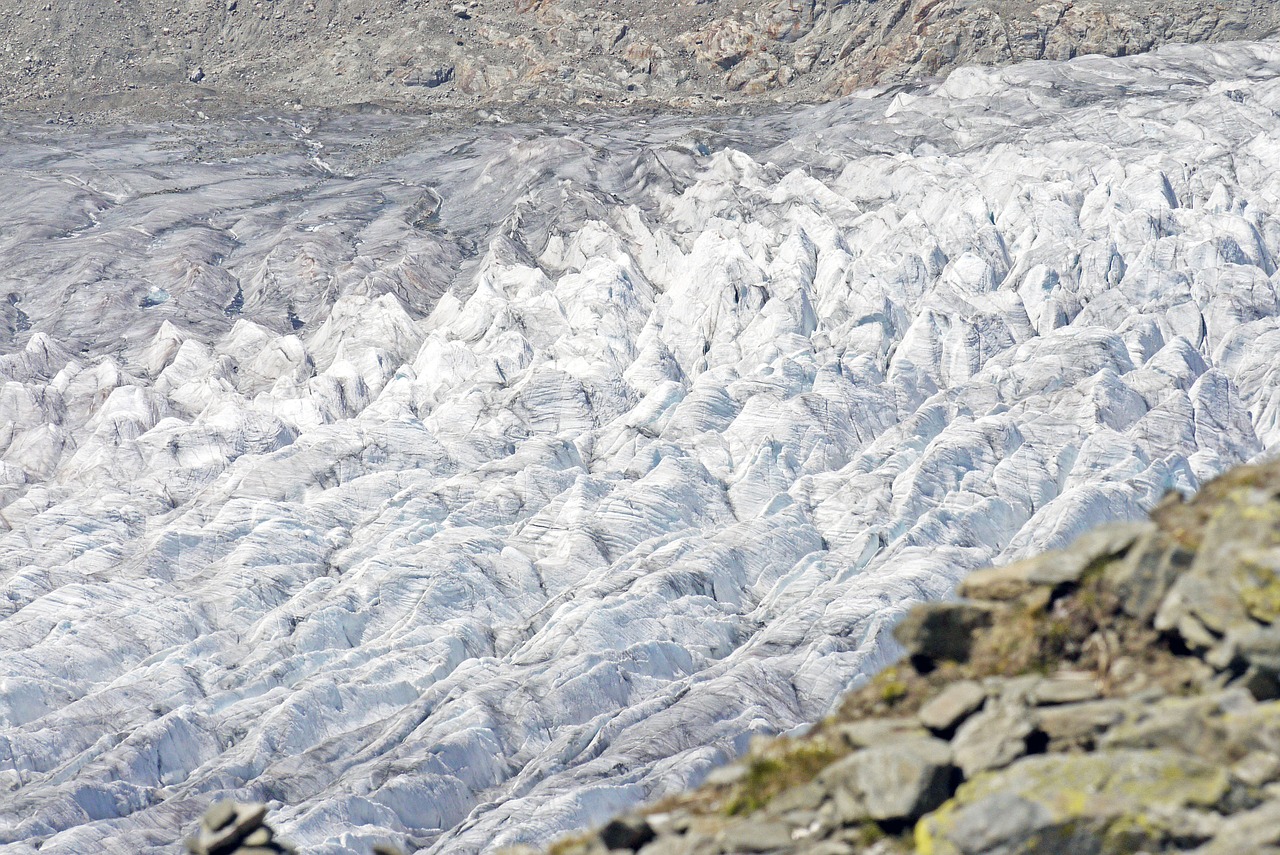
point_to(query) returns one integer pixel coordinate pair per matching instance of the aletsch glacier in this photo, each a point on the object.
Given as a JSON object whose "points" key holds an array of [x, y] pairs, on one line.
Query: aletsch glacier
{"points": [[475, 495]]}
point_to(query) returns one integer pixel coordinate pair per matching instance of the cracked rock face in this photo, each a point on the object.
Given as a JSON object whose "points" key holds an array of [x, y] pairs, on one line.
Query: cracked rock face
{"points": [[457, 491], [86, 58]]}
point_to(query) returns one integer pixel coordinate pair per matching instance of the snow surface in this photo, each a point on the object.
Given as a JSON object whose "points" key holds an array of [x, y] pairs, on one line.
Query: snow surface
{"points": [[470, 497]]}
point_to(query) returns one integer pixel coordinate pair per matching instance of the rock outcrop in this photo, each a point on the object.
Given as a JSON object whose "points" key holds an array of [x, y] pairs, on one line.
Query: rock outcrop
{"points": [[1116, 696], [231, 828], [85, 57]]}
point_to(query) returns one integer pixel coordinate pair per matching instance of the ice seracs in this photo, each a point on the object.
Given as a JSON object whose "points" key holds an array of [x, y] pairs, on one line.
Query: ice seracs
{"points": [[464, 530]]}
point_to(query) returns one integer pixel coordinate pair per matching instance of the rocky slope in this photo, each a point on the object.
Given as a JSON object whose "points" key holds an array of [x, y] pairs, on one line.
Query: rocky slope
{"points": [[1116, 696], [463, 497], [86, 57]]}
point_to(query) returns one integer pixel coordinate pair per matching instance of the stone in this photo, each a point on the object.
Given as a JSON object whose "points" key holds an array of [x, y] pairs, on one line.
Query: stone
{"points": [[627, 832], [827, 847], [219, 816], [1141, 580], [1055, 568], [992, 738], [1001, 584], [225, 826], [672, 844], [952, 705], [1256, 573], [806, 797], [846, 806], [896, 781], [1079, 724], [1256, 768], [1066, 689], [1068, 566], [1259, 682], [1248, 831], [1067, 802], [1193, 725], [1255, 645], [1013, 690], [725, 776], [755, 836], [1205, 600], [1255, 728], [876, 731], [667, 822], [261, 837], [1234, 579], [942, 631], [987, 825]]}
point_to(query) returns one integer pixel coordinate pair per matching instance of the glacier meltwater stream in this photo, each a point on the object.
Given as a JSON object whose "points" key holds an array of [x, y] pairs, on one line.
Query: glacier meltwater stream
{"points": [[468, 493]]}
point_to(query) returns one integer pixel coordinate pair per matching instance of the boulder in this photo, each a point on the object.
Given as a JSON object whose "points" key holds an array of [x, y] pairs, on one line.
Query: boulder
{"points": [[1142, 579], [993, 738], [229, 827], [952, 705], [1066, 688], [1079, 725], [896, 781], [755, 835], [1248, 831], [1070, 802], [877, 731]]}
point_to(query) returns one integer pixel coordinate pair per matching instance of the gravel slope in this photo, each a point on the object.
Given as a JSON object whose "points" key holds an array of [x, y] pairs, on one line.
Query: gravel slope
{"points": [[84, 59]]}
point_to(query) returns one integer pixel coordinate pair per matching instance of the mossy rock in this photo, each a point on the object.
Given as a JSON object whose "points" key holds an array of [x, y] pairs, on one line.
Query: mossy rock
{"points": [[1105, 802], [1257, 575], [793, 764]]}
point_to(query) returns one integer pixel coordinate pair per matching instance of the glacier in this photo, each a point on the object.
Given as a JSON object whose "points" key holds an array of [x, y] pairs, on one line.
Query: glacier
{"points": [[458, 489]]}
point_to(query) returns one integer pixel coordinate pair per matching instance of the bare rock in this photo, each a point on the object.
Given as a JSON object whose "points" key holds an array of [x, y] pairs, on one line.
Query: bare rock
{"points": [[1066, 688], [1067, 802], [231, 827], [896, 781], [877, 731], [952, 705], [1079, 724], [991, 739]]}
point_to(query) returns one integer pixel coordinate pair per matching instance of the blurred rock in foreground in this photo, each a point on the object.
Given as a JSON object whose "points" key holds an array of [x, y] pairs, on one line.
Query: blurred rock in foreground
{"points": [[1117, 696]]}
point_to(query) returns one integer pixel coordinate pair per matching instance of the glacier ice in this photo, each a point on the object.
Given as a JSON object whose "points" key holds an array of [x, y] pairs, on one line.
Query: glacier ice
{"points": [[467, 495]]}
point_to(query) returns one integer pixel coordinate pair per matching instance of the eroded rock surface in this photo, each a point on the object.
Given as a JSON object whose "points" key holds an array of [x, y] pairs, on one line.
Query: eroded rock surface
{"points": [[85, 57]]}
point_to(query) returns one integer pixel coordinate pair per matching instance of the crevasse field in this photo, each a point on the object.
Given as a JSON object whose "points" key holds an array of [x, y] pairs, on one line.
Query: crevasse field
{"points": [[470, 496]]}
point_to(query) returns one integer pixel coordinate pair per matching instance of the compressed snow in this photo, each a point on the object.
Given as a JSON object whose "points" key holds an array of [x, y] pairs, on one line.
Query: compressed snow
{"points": [[467, 498]]}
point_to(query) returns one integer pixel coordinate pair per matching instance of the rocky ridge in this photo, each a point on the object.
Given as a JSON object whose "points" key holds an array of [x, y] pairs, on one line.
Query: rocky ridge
{"points": [[84, 58], [1116, 696]]}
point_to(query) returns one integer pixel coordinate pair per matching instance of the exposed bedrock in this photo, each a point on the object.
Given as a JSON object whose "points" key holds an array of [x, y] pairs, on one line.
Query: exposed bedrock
{"points": [[85, 58]]}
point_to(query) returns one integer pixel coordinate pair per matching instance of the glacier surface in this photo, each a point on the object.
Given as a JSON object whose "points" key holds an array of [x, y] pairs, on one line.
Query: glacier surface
{"points": [[469, 495]]}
